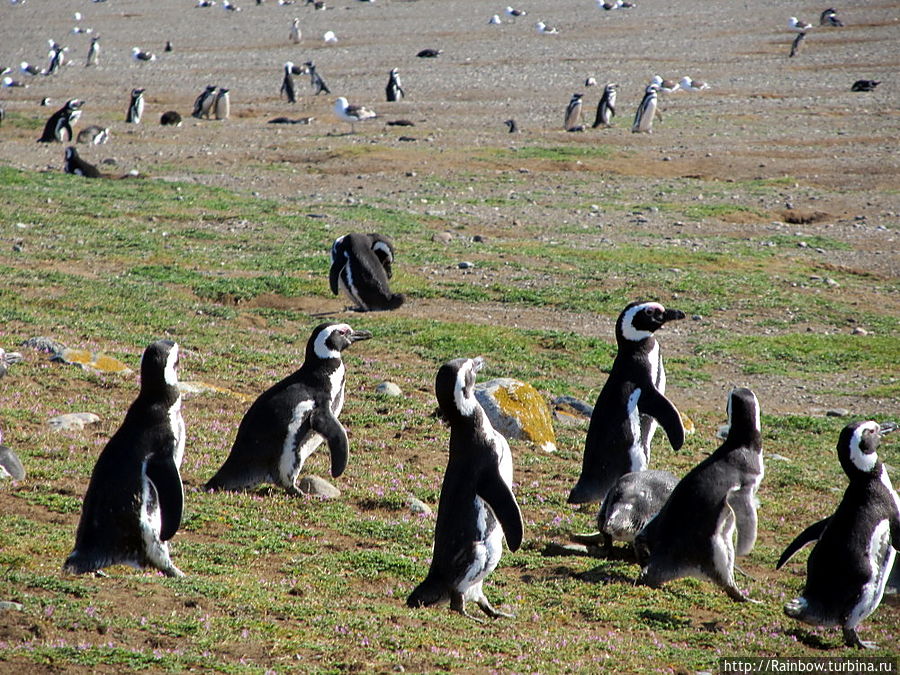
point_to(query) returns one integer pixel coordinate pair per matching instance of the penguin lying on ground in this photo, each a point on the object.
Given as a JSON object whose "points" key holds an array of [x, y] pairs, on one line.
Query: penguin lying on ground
{"points": [[361, 265], [692, 533], [855, 547], [75, 165], [10, 464], [291, 419], [477, 506], [629, 406], [134, 502]]}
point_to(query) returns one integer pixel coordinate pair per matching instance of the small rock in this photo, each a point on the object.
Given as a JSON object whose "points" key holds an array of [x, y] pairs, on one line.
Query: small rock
{"points": [[10, 465], [416, 505], [389, 389], [776, 457], [478, 239], [465, 265], [837, 412], [802, 244], [573, 406], [553, 548], [9, 606], [859, 331], [72, 421], [317, 487], [696, 317]]}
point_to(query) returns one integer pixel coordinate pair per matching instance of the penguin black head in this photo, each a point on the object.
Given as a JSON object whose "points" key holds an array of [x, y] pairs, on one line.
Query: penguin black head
{"points": [[384, 250], [328, 340], [158, 367], [743, 415], [74, 104], [639, 320], [454, 387], [137, 91], [857, 446]]}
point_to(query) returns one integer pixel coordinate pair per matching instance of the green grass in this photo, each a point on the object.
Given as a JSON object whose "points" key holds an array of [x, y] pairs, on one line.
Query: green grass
{"points": [[313, 585]]}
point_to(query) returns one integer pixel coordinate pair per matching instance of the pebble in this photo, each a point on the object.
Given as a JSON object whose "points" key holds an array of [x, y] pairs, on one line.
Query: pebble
{"points": [[778, 458], [465, 265], [9, 606], [416, 505], [389, 389], [859, 331], [553, 548], [837, 412], [317, 487], [72, 421]]}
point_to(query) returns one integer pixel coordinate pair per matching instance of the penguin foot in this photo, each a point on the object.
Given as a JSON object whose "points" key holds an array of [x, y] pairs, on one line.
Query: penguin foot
{"points": [[172, 572], [738, 569], [737, 595], [458, 604], [851, 639], [488, 609]]}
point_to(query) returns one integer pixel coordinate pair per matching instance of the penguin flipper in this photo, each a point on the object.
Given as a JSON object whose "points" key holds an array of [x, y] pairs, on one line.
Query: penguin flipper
{"points": [[164, 474], [809, 535], [497, 494], [324, 423], [655, 404], [334, 275]]}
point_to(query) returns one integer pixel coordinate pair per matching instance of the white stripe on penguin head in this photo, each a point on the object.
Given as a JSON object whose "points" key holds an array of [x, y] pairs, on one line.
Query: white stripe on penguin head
{"points": [[629, 332]]}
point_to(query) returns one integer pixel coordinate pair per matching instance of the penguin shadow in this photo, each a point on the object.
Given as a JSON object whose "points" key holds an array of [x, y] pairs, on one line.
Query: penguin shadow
{"points": [[602, 574], [811, 639]]}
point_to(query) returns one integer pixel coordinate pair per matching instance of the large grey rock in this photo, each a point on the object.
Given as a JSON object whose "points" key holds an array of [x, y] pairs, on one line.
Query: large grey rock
{"points": [[317, 487], [72, 421], [389, 389], [518, 411], [10, 466]]}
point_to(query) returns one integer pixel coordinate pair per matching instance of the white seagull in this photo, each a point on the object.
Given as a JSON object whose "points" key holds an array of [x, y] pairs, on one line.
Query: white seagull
{"points": [[693, 85], [544, 29], [797, 25], [352, 113], [329, 36]]}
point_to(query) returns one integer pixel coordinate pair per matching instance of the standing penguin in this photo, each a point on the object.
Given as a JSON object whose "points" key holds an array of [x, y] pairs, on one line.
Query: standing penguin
{"points": [[222, 105], [477, 506], [315, 80], [93, 55], [135, 107], [855, 547], [394, 90], [291, 419], [361, 265], [296, 33], [629, 406], [135, 499], [59, 125], [287, 82], [77, 166], [203, 103], [572, 120], [692, 534], [643, 119], [606, 109]]}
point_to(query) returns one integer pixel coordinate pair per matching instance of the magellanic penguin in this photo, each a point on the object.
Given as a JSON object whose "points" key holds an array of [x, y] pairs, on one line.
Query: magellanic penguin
{"points": [[692, 534], [222, 105], [631, 503], [829, 18], [59, 125], [606, 109], [643, 118], [572, 120], [203, 103], [77, 166], [93, 135], [135, 106], [361, 265], [7, 359], [629, 406], [93, 55], [141, 56], [170, 118], [291, 419], [315, 80], [394, 90], [287, 82], [477, 507], [135, 498], [296, 34], [795, 45], [855, 547]]}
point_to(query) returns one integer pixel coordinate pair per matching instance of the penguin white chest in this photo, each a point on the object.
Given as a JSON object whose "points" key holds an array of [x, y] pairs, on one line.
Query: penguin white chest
{"points": [[176, 425], [637, 455], [880, 558], [150, 516]]}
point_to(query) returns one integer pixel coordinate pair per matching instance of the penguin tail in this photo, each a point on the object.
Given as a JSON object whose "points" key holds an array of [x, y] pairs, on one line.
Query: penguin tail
{"points": [[429, 592], [79, 563]]}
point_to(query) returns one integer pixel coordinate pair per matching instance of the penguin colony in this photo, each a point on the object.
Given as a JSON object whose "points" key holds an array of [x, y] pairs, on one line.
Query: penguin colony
{"points": [[695, 526]]}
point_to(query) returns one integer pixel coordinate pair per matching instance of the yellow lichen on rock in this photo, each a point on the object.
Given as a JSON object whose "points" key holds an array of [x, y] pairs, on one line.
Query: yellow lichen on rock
{"points": [[96, 361], [522, 402]]}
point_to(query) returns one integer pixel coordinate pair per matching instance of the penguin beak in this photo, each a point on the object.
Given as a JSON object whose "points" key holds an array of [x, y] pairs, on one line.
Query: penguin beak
{"points": [[673, 315], [888, 427], [478, 363], [358, 335]]}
